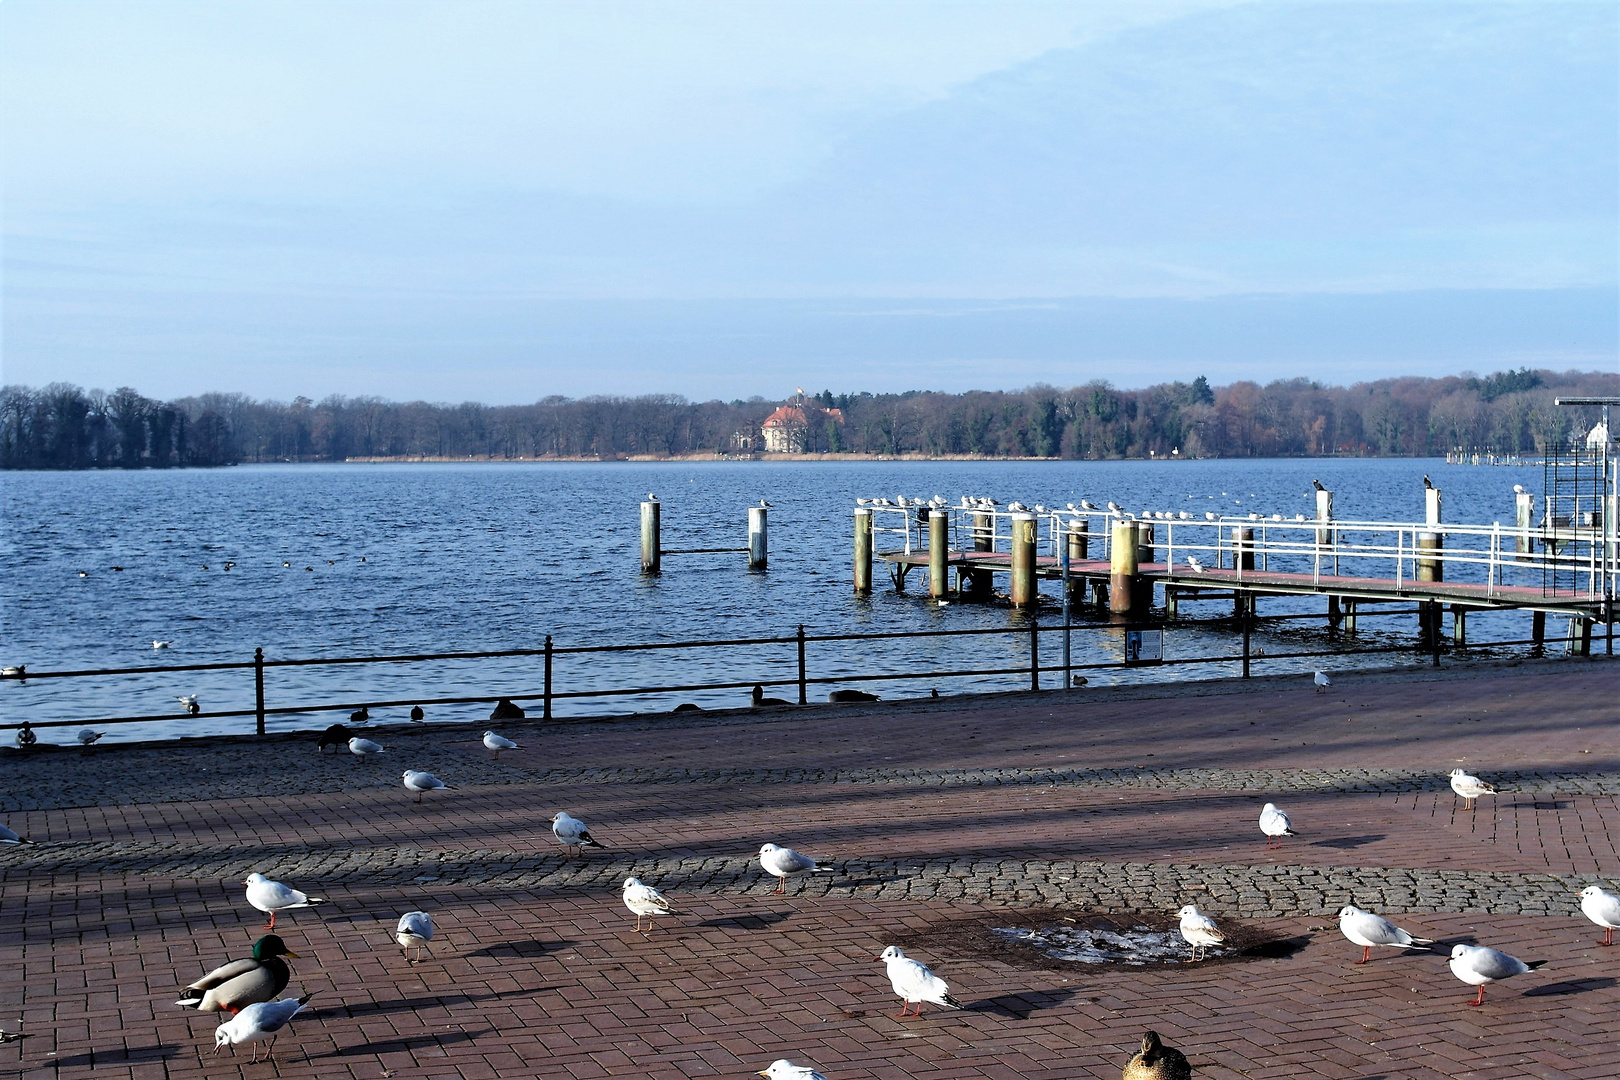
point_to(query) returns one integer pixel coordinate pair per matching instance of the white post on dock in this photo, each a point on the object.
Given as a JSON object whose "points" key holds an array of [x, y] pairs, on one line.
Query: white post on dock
{"points": [[1524, 513], [863, 551], [758, 546], [1431, 506], [651, 540], [1324, 513]]}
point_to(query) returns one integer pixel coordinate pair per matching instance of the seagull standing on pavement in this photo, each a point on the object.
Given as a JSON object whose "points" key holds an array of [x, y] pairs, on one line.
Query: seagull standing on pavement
{"points": [[1275, 824], [272, 896], [783, 1069], [415, 930], [1199, 930], [784, 863], [257, 1023], [571, 833], [1469, 787], [498, 743], [421, 782], [363, 747], [644, 902], [1368, 930], [1477, 965], [1602, 908], [8, 836], [1322, 681], [914, 983]]}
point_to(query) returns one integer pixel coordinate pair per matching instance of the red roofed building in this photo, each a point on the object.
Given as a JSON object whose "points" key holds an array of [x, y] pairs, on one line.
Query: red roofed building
{"points": [[787, 430]]}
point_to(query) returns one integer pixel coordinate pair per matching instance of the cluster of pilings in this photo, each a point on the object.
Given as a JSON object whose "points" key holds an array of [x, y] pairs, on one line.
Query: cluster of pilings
{"points": [[653, 551]]}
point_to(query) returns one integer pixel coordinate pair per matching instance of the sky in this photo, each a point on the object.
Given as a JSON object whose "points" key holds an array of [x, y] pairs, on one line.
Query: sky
{"points": [[503, 201]]}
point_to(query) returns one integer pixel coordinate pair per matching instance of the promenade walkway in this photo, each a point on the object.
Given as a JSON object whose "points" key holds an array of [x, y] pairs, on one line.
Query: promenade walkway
{"points": [[938, 814]]}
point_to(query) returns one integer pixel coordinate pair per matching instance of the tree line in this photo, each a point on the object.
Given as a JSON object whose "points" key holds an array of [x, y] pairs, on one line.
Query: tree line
{"points": [[61, 426]]}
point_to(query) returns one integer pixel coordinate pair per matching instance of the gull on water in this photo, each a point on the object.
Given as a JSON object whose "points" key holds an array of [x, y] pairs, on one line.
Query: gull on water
{"points": [[257, 1023], [272, 896], [1369, 931], [1199, 931], [1601, 907], [784, 862], [415, 930], [571, 833], [498, 743], [234, 986], [156, 644], [1477, 965], [783, 1069], [1156, 1061], [914, 983], [1275, 824], [420, 782], [644, 902], [189, 702], [361, 747], [1469, 787]]}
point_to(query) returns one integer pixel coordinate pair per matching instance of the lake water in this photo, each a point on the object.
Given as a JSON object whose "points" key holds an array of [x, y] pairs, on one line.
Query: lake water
{"points": [[439, 558]]}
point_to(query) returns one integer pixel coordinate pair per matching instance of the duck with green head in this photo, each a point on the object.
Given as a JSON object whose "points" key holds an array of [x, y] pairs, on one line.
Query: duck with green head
{"points": [[240, 983]]}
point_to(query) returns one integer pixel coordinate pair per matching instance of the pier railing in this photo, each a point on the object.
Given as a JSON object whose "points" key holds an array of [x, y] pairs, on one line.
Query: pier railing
{"points": [[547, 687]]}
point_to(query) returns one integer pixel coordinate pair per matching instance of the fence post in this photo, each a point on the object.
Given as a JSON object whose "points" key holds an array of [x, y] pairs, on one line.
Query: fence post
{"points": [[1034, 653], [803, 700], [258, 688], [1245, 642], [548, 677]]}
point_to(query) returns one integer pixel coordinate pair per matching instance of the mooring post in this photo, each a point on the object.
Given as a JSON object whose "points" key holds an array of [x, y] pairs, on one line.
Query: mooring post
{"points": [[863, 551], [758, 544], [547, 709], [803, 679], [1034, 653], [1538, 628], [1524, 513], [1068, 613], [1324, 536], [939, 535], [1023, 560], [1431, 506], [1077, 539], [1144, 543], [1122, 568], [258, 688], [1242, 559], [1430, 567], [651, 541], [981, 583]]}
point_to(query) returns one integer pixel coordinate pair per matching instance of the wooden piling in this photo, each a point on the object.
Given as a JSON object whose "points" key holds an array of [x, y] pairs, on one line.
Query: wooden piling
{"points": [[1334, 617], [1349, 616], [1122, 567], [651, 538], [1242, 559], [1524, 513], [939, 533], [1078, 538], [1023, 560], [863, 551], [1324, 513], [981, 583], [1430, 568], [758, 545]]}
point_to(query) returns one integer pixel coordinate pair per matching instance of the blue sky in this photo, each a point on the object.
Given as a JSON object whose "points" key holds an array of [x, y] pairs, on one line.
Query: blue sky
{"points": [[500, 201]]}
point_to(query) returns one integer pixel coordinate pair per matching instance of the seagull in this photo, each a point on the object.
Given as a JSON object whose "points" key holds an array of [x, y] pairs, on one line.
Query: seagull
{"points": [[1275, 824], [1184, 515], [498, 743], [1321, 680], [1113, 507], [258, 1022], [783, 1069], [361, 747], [1477, 965], [1367, 930], [784, 863], [862, 502], [286, 564], [189, 701], [415, 929], [766, 505], [1084, 505], [651, 497], [156, 644], [760, 701], [571, 833], [272, 896], [1601, 907], [87, 737], [644, 901], [417, 714], [1518, 489], [1199, 930], [13, 1036], [1469, 787], [914, 983], [1156, 1061], [421, 782], [1299, 517], [234, 986], [1209, 515], [1193, 564], [10, 836]]}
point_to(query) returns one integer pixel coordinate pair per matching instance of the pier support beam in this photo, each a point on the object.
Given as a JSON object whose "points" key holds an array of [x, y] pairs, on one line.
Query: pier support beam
{"points": [[939, 525], [981, 583], [1122, 569], [1538, 628], [1242, 559], [1023, 560], [863, 551], [1334, 616], [758, 544], [1578, 641], [651, 538], [1349, 607], [1459, 625], [1078, 537]]}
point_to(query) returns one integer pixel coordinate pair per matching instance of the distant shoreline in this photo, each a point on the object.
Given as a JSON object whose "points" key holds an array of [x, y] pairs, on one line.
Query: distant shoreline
{"points": [[418, 459]]}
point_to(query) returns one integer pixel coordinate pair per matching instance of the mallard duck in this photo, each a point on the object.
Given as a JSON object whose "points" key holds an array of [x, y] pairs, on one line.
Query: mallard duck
{"points": [[1156, 1061], [240, 983]]}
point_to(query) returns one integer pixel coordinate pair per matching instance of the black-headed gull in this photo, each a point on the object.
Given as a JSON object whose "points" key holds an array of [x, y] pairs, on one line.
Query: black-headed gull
{"points": [[1199, 931], [1368, 930], [914, 983], [88, 737], [1602, 908], [498, 743], [415, 930], [1477, 965], [272, 896], [1321, 680], [1156, 1061], [571, 833], [419, 782], [784, 863], [257, 1023], [1469, 787], [1275, 824], [10, 836], [363, 747], [783, 1069], [234, 986], [644, 901]]}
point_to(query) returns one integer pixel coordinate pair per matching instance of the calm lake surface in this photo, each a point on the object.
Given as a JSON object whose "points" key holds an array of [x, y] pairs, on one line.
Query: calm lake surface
{"points": [[441, 558]]}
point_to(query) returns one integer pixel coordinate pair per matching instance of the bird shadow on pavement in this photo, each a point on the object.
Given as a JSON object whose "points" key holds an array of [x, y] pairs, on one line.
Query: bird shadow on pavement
{"points": [[136, 1055], [1347, 842], [404, 1045], [524, 949], [1571, 986], [759, 920], [425, 1001], [1021, 1006]]}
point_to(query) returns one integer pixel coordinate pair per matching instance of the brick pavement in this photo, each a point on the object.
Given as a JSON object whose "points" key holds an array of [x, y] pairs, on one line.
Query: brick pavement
{"points": [[932, 812]]}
